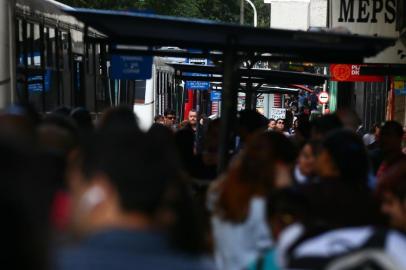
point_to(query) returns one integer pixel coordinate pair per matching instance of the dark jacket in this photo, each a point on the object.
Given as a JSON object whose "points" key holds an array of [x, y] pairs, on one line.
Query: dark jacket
{"points": [[126, 250]]}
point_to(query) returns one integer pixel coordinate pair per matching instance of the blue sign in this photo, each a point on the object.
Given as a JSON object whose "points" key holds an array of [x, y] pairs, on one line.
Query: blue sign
{"points": [[215, 96], [35, 82], [400, 92], [131, 67], [197, 85]]}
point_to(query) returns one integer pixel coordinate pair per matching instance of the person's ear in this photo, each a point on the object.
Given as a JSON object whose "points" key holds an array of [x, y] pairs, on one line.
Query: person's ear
{"points": [[99, 191], [93, 197]]}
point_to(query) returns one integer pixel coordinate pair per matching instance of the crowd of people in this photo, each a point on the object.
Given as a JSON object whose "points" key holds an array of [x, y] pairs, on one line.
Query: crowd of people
{"points": [[80, 193]]}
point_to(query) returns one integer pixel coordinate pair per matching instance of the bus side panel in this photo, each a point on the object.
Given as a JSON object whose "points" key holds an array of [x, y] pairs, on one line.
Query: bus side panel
{"points": [[145, 110]]}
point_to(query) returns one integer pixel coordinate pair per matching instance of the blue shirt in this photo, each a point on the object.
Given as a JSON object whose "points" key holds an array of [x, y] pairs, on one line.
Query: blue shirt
{"points": [[125, 250]]}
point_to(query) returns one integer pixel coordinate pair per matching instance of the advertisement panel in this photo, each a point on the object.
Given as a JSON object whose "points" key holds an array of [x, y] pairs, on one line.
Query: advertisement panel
{"points": [[371, 18], [277, 113], [400, 85]]}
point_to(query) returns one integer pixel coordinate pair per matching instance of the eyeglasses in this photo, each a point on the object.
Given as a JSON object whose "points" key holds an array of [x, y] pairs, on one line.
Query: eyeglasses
{"points": [[170, 117], [281, 122]]}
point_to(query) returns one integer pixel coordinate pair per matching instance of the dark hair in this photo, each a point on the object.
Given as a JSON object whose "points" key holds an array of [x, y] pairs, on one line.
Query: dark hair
{"points": [[304, 126], [335, 204], [251, 121], [349, 118], [392, 128], [326, 124], [61, 121], [63, 111], [195, 111], [65, 141], [271, 119], [254, 172], [130, 159], [349, 155], [169, 112], [374, 127], [82, 118], [119, 117], [288, 201], [158, 117]]}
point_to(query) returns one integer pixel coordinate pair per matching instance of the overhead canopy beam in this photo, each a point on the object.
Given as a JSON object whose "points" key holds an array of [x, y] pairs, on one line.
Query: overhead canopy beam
{"points": [[384, 70], [154, 30], [247, 75], [268, 89]]}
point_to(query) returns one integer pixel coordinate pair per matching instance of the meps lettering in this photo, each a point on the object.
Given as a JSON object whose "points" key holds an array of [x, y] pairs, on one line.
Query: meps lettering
{"points": [[368, 10]]}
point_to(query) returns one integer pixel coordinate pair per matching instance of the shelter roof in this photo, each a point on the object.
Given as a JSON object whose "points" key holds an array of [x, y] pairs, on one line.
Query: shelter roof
{"points": [[154, 30]]}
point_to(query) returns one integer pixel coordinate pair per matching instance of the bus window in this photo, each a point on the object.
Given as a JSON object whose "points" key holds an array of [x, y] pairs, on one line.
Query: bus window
{"points": [[50, 40], [36, 53], [140, 87]]}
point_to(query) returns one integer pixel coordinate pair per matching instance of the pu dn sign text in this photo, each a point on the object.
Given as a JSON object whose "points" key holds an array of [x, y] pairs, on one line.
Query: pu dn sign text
{"points": [[355, 70]]}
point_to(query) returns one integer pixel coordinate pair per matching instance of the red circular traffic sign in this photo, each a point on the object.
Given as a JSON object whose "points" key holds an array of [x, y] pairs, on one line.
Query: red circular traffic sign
{"points": [[323, 98]]}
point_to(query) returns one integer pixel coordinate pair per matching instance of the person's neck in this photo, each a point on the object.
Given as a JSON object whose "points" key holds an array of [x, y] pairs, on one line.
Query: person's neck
{"points": [[122, 220]]}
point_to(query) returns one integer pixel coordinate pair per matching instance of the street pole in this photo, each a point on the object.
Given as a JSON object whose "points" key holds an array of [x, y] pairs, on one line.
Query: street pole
{"points": [[255, 12], [242, 12], [5, 73]]}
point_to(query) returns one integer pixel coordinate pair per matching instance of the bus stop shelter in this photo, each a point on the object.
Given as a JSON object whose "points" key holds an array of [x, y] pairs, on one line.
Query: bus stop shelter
{"points": [[230, 44]]}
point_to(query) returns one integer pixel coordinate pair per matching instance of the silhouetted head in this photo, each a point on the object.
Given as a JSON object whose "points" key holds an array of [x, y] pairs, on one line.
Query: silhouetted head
{"points": [[118, 118], [343, 156], [391, 139], [82, 118], [249, 122], [324, 125]]}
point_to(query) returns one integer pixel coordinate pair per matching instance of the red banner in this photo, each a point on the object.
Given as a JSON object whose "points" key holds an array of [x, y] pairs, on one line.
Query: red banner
{"points": [[351, 73]]}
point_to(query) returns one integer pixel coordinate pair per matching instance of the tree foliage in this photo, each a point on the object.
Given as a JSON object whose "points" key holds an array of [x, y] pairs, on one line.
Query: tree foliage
{"points": [[218, 10]]}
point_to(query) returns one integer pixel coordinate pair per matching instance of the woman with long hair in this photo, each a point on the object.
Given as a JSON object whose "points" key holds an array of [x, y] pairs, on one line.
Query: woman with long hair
{"points": [[239, 222]]}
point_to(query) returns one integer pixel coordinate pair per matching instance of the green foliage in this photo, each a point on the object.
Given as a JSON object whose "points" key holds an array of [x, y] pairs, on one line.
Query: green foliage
{"points": [[218, 10]]}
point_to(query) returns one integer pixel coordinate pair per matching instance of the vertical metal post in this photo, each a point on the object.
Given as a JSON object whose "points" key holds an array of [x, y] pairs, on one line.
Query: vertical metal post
{"points": [[13, 37], [198, 101], [25, 96], [5, 46], [95, 73], [71, 69], [229, 105], [43, 65], [242, 12], [57, 68]]}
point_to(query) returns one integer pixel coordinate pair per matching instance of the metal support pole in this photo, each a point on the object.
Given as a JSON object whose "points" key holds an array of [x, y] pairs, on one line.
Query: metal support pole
{"points": [[255, 12], [242, 12], [12, 28], [6, 43], [43, 65], [229, 106]]}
